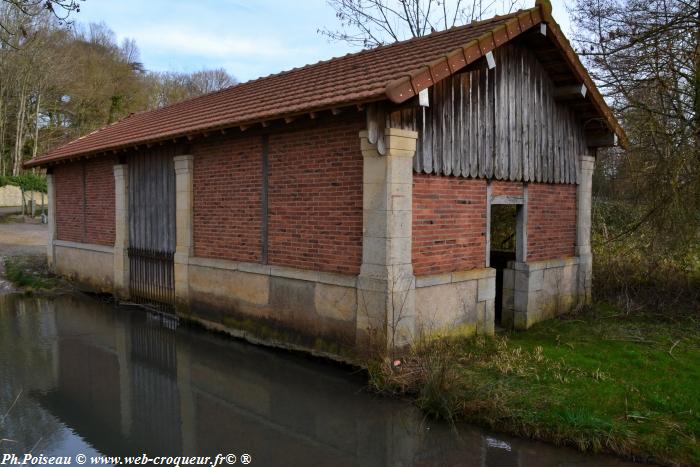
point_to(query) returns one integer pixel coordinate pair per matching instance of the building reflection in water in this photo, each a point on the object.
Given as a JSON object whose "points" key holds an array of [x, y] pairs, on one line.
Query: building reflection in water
{"points": [[126, 382]]}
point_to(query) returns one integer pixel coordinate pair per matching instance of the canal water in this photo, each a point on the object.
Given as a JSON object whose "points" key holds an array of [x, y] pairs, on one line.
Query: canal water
{"points": [[78, 376]]}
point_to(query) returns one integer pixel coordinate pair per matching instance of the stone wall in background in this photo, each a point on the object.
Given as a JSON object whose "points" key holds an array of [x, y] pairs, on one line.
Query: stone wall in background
{"points": [[11, 196]]}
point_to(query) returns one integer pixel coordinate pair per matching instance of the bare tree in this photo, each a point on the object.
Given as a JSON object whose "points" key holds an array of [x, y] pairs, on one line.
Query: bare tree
{"points": [[205, 81], [645, 56], [16, 14], [170, 87], [370, 23]]}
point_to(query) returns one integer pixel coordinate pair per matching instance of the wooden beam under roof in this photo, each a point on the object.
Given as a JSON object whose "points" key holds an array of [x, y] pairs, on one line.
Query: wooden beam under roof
{"points": [[601, 139], [574, 91]]}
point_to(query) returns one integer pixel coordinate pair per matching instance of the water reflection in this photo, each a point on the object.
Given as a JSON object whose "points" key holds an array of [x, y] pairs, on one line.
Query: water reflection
{"points": [[94, 378]]}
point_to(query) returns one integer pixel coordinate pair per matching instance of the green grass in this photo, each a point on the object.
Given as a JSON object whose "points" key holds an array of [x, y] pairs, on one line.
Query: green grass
{"points": [[598, 380], [26, 277]]}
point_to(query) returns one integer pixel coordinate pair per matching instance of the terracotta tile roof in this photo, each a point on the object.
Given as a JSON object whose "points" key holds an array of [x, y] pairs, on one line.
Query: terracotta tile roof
{"points": [[397, 72]]}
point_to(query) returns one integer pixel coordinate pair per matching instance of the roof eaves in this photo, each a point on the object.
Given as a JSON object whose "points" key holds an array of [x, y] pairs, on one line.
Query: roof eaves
{"points": [[139, 142], [401, 89], [597, 98]]}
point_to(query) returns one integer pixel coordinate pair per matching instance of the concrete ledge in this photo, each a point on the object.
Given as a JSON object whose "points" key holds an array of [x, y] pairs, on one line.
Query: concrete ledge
{"points": [[213, 263], [293, 273], [84, 246], [544, 264], [255, 268], [454, 277], [436, 279], [277, 271]]}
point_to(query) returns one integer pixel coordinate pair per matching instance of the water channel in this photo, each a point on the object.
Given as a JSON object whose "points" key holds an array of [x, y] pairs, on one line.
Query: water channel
{"points": [[79, 376]]}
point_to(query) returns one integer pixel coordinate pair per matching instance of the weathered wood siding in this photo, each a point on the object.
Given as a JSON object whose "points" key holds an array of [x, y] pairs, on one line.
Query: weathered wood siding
{"points": [[503, 124], [152, 200]]}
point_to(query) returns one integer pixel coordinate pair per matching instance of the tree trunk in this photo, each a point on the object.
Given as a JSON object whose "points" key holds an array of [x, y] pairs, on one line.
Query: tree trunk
{"points": [[36, 126], [2, 138], [19, 134], [3, 170], [697, 83]]}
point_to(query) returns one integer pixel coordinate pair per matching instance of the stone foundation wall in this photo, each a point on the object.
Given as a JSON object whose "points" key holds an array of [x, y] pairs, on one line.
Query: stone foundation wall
{"points": [[539, 290], [89, 265], [318, 311], [310, 309], [458, 302]]}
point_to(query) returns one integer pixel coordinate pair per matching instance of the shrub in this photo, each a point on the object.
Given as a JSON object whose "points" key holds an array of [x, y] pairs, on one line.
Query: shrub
{"points": [[636, 269], [26, 182]]}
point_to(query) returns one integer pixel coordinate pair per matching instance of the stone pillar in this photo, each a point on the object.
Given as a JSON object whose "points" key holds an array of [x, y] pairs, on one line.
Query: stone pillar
{"points": [[51, 193], [583, 228], [523, 283], [183, 222], [121, 231], [386, 284], [519, 284]]}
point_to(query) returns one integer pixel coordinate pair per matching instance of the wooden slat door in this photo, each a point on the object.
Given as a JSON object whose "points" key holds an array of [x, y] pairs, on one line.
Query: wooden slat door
{"points": [[152, 227]]}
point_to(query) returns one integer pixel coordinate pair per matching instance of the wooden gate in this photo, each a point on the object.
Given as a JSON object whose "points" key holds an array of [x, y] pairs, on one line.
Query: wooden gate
{"points": [[152, 228]]}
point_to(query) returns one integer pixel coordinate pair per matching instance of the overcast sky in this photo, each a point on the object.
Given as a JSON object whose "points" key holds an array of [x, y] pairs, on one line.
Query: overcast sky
{"points": [[249, 38]]}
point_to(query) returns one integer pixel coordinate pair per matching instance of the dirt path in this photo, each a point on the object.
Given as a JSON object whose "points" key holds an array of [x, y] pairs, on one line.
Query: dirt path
{"points": [[9, 210], [20, 240]]}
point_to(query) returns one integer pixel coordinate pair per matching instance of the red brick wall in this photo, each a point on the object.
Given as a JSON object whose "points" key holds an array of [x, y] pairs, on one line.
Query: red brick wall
{"points": [[227, 183], [502, 188], [551, 221], [99, 190], [315, 196], [68, 186], [449, 224], [99, 177], [449, 221]]}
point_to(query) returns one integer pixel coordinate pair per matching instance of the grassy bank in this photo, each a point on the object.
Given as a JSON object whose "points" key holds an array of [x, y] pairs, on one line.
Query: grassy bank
{"points": [[600, 380], [29, 274]]}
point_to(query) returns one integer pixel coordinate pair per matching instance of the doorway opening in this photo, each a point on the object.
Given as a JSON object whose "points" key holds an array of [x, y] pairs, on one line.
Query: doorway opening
{"points": [[503, 245]]}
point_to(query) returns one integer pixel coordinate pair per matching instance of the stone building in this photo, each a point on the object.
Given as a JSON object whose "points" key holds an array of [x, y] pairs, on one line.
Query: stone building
{"points": [[441, 184]]}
